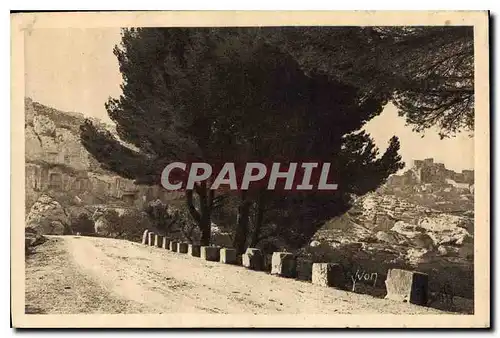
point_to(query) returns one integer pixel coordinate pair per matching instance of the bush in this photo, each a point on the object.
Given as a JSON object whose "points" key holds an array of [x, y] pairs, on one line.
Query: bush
{"points": [[173, 221], [129, 225], [83, 225], [132, 225], [158, 217]]}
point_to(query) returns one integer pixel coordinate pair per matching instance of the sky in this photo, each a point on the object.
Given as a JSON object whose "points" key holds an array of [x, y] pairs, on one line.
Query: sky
{"points": [[75, 70]]}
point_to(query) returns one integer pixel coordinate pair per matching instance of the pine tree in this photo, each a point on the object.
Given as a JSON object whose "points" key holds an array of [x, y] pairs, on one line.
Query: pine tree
{"points": [[187, 93], [329, 129], [228, 95], [428, 72]]}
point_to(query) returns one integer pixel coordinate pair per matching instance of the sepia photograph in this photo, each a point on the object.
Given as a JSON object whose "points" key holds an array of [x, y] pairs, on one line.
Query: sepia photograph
{"points": [[258, 169]]}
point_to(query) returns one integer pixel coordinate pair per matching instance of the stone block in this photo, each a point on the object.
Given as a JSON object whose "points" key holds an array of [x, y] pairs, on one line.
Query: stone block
{"points": [[182, 248], [151, 238], [194, 250], [173, 246], [210, 253], [158, 240], [304, 269], [284, 264], [165, 243], [328, 274], [145, 237], [253, 259], [228, 256], [407, 286]]}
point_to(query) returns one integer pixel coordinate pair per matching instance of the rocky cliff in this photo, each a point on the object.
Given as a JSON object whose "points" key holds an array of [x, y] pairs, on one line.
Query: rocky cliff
{"points": [[414, 224], [57, 165]]}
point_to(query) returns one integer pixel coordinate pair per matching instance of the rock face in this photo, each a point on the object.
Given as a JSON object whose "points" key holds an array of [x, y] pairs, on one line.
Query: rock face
{"points": [[194, 250], [253, 259], [284, 264], [48, 217], [210, 253], [328, 274], [423, 225], [228, 256], [58, 164], [407, 286], [182, 248]]}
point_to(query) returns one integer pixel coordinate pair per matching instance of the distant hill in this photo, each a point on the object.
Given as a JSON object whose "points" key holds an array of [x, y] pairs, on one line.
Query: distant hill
{"points": [[415, 221]]}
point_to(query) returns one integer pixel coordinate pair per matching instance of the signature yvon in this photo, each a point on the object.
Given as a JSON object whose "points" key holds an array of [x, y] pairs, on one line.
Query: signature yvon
{"points": [[362, 275]]}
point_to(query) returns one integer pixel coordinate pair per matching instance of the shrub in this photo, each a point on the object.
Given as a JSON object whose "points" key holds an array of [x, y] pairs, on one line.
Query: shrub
{"points": [[83, 224], [173, 221], [129, 225]]}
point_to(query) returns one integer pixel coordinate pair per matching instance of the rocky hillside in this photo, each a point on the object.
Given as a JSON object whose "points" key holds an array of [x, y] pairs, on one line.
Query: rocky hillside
{"points": [[405, 225], [57, 165]]}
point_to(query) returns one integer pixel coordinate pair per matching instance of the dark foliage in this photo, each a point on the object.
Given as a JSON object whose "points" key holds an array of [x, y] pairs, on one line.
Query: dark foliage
{"points": [[83, 224], [171, 221], [428, 72], [217, 95]]}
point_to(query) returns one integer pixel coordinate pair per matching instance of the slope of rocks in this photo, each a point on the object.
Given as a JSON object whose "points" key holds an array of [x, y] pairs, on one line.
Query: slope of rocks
{"points": [[385, 231]]}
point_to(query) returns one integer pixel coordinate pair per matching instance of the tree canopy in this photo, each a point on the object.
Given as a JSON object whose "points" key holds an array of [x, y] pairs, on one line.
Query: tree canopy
{"points": [[427, 72], [217, 95]]}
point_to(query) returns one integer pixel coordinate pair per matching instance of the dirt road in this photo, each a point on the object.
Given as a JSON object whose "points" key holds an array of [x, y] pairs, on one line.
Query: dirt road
{"points": [[97, 275]]}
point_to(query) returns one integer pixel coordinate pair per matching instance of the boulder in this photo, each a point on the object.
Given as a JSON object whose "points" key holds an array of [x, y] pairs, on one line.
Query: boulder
{"points": [[182, 248], [210, 253], [173, 246], [165, 243], [253, 259], [328, 274], [43, 125], [158, 240], [442, 250], [284, 264], [228, 256], [151, 238], [390, 237], [48, 217], [407, 286], [194, 250], [314, 244], [418, 256], [32, 239], [145, 237]]}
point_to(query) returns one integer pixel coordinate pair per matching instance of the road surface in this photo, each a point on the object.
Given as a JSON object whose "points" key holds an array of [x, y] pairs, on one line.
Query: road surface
{"points": [[71, 274]]}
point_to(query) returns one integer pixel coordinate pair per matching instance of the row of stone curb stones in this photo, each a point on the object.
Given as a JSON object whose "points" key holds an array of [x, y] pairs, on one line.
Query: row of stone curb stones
{"points": [[401, 285]]}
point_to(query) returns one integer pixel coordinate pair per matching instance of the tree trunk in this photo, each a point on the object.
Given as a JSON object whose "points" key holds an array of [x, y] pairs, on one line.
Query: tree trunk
{"points": [[192, 209], [258, 220], [202, 217], [205, 233], [240, 238]]}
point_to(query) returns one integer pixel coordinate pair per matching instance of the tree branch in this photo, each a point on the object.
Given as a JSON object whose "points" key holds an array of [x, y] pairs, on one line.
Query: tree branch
{"points": [[192, 210]]}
